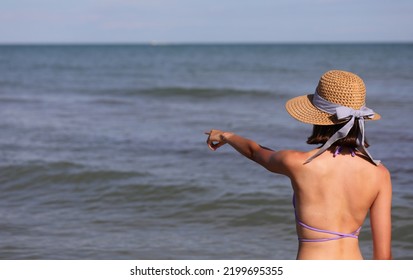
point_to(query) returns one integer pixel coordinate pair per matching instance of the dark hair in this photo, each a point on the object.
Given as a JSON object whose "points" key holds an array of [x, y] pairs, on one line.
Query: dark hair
{"points": [[321, 133]]}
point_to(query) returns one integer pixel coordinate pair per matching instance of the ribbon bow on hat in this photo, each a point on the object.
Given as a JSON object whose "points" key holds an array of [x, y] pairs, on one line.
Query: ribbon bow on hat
{"points": [[344, 113]]}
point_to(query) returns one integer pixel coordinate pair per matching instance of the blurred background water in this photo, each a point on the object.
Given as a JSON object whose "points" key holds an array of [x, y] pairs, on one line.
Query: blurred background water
{"points": [[103, 156]]}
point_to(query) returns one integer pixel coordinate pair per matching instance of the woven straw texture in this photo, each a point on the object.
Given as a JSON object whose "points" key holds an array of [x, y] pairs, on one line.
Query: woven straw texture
{"points": [[336, 86]]}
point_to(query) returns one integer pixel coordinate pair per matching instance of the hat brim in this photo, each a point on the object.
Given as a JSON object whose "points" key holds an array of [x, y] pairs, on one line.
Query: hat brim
{"points": [[302, 109]]}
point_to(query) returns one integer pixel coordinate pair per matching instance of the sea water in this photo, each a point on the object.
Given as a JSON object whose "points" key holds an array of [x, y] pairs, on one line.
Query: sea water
{"points": [[103, 154]]}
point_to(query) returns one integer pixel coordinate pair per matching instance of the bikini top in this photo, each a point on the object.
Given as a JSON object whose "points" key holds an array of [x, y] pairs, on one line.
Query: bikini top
{"points": [[338, 235]]}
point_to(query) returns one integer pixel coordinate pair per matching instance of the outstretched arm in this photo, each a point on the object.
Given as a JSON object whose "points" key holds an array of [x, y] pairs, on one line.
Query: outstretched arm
{"points": [[271, 160], [380, 219]]}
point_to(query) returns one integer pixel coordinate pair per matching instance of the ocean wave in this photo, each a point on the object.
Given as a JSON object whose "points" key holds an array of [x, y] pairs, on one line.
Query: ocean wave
{"points": [[18, 177], [234, 210], [17, 100], [202, 92], [190, 92]]}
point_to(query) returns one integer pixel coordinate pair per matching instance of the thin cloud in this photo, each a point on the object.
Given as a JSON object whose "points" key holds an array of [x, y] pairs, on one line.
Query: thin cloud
{"points": [[213, 20]]}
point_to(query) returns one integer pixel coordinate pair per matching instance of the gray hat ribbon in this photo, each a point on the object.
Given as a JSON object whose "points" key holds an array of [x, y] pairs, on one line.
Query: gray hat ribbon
{"points": [[344, 113]]}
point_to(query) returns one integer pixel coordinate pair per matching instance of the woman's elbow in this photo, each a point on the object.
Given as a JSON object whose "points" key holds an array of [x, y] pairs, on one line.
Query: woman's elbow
{"points": [[383, 256]]}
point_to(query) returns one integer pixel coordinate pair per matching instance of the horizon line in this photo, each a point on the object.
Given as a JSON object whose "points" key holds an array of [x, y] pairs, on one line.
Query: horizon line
{"points": [[165, 43]]}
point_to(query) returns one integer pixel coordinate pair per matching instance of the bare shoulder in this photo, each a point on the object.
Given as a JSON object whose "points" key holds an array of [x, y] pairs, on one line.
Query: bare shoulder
{"points": [[379, 179], [290, 160], [383, 176], [383, 171], [293, 158]]}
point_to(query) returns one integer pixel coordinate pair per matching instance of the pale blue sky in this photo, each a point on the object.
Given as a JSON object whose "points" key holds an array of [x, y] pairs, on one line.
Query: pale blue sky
{"points": [[164, 21]]}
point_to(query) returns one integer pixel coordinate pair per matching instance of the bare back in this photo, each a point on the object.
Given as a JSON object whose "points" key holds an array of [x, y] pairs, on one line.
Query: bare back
{"points": [[333, 193]]}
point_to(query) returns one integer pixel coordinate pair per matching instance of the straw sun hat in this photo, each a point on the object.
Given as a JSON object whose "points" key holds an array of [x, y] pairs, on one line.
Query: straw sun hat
{"points": [[335, 86]]}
